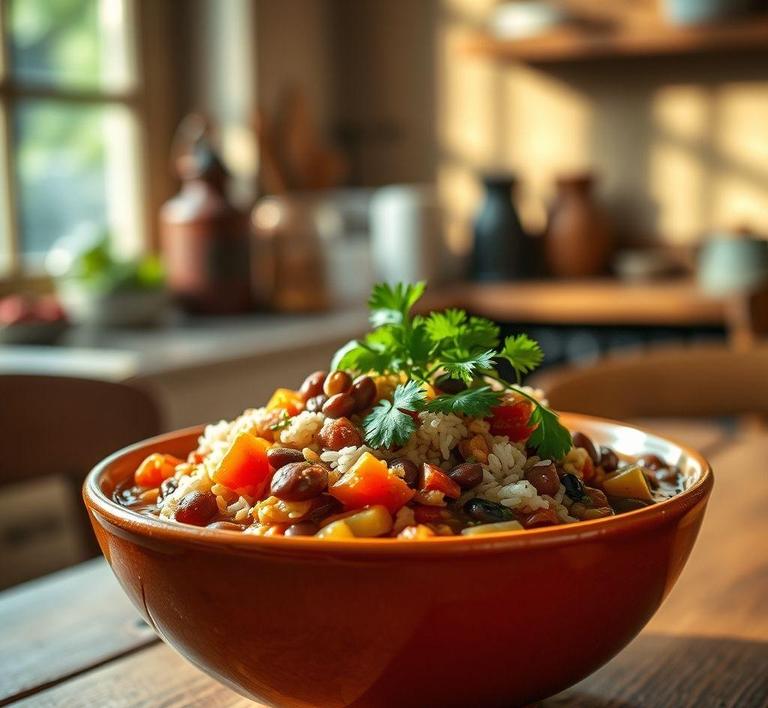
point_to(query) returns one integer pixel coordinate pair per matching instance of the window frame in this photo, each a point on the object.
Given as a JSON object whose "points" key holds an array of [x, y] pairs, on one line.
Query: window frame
{"points": [[132, 99]]}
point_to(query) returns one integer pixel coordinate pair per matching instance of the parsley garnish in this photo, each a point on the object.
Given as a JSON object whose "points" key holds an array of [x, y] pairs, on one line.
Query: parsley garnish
{"points": [[444, 344], [387, 424]]}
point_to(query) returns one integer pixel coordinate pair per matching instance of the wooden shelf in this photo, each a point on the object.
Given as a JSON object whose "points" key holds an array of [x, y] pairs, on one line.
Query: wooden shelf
{"points": [[587, 302], [571, 44]]}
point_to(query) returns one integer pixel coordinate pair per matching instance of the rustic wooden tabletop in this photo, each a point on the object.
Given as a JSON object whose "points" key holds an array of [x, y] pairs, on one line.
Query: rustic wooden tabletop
{"points": [[74, 639]]}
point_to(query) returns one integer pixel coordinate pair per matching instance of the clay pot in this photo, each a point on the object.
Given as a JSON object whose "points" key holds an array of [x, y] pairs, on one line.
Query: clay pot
{"points": [[578, 242]]}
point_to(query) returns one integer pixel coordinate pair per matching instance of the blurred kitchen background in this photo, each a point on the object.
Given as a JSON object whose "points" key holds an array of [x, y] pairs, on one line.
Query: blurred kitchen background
{"points": [[196, 196]]}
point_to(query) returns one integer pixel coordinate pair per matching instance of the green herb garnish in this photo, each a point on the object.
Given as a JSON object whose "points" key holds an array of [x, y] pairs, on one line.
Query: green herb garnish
{"points": [[392, 422], [445, 344]]}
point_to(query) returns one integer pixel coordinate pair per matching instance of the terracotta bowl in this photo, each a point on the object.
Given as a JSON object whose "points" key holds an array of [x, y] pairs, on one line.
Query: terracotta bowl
{"points": [[495, 620]]}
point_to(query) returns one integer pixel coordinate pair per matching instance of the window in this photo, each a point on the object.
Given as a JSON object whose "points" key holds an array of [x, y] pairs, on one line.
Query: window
{"points": [[69, 127]]}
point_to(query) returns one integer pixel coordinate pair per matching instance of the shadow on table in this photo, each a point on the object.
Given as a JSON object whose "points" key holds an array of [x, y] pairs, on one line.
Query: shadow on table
{"points": [[661, 670]]}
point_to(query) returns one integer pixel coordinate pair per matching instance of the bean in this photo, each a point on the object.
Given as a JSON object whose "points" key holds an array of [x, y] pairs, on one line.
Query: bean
{"points": [[299, 481], [539, 518], [197, 508], [574, 487], [364, 392], [407, 470], [652, 462], [323, 506], [581, 440], [609, 460], [226, 526], [168, 486], [487, 511], [339, 405], [337, 382], [451, 386], [315, 404], [281, 456], [543, 476], [621, 504], [467, 475], [339, 433], [303, 528], [313, 385]]}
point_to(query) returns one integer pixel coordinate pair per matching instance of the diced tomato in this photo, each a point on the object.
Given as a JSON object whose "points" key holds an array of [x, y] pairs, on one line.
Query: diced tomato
{"points": [[245, 465], [433, 478], [369, 482], [286, 399], [512, 420], [154, 469]]}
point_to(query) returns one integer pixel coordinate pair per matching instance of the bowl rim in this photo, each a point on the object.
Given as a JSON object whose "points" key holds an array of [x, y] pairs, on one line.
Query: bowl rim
{"points": [[640, 520]]}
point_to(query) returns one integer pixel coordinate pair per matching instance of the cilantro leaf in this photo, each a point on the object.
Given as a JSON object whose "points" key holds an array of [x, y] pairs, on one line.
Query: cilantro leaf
{"points": [[361, 357], [386, 425], [522, 352], [446, 325], [476, 402], [550, 438], [480, 333], [392, 304], [459, 365]]}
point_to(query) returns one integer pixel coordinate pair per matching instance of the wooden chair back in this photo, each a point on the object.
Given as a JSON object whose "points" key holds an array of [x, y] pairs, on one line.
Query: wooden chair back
{"points": [[695, 381], [52, 425]]}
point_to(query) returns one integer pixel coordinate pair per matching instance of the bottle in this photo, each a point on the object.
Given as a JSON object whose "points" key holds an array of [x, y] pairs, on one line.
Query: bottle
{"points": [[578, 241], [204, 239], [499, 238]]}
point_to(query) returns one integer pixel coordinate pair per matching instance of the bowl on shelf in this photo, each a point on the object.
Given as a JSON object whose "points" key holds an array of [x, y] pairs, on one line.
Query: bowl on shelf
{"points": [[489, 620]]}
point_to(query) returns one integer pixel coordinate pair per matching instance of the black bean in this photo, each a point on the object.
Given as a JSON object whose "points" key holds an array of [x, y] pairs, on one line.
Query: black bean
{"points": [[313, 385], [299, 481], [337, 382], [403, 467], [364, 392], [450, 386], [280, 456], [487, 511], [574, 487], [197, 508], [302, 528], [168, 486], [467, 475], [323, 506], [581, 440], [609, 460], [339, 405]]}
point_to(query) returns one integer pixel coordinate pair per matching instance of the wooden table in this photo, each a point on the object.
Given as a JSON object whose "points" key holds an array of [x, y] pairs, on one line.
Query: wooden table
{"points": [[73, 638]]}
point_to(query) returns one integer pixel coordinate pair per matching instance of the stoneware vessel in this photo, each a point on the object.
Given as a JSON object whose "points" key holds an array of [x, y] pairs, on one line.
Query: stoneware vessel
{"points": [[495, 620]]}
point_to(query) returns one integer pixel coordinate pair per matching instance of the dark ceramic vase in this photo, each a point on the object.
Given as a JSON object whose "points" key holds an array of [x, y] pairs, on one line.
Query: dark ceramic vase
{"points": [[499, 238]]}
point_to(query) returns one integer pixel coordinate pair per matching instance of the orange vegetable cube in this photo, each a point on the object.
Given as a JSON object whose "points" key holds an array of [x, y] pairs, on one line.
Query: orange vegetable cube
{"points": [[369, 482], [433, 478], [154, 469], [245, 466], [286, 399]]}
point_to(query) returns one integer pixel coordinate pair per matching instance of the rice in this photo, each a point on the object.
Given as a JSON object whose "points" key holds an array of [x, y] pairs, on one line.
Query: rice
{"points": [[302, 430]]}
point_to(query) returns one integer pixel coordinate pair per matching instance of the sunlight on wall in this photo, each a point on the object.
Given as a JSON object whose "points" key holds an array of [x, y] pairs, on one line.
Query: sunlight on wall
{"points": [[675, 158]]}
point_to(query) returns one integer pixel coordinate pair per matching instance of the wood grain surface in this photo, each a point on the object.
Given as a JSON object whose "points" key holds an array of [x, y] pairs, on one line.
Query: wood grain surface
{"points": [[706, 647]]}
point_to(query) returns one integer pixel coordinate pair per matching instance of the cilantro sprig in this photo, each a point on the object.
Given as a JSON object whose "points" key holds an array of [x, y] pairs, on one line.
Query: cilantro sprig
{"points": [[448, 344]]}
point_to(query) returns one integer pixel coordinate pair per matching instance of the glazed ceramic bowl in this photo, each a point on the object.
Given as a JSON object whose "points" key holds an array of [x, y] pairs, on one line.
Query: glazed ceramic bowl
{"points": [[492, 620]]}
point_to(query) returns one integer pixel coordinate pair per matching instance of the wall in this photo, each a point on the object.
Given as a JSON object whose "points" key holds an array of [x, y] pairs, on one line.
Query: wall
{"points": [[680, 144]]}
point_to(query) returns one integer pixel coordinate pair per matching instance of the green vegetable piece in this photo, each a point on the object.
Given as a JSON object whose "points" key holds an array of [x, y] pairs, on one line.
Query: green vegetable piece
{"points": [[386, 425]]}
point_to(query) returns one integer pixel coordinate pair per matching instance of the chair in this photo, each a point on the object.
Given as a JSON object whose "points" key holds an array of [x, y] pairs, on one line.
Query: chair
{"points": [[695, 381], [51, 425]]}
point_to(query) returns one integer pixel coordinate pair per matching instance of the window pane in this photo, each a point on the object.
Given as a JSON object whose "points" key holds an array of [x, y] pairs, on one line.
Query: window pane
{"points": [[73, 43], [75, 167]]}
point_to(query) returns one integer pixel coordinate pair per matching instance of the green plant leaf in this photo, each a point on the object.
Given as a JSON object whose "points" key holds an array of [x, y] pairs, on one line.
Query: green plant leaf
{"points": [[392, 304], [386, 425], [550, 438], [475, 402], [522, 352], [465, 367]]}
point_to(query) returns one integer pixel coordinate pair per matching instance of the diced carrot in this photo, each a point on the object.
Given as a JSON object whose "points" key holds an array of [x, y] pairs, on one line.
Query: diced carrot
{"points": [[286, 399], [245, 465], [369, 482], [154, 469], [433, 478]]}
